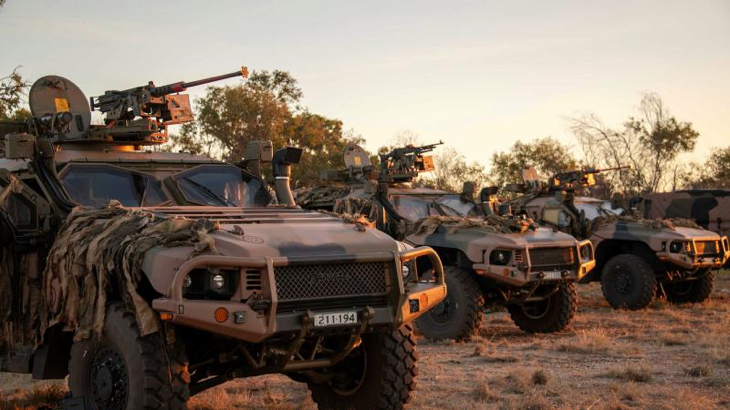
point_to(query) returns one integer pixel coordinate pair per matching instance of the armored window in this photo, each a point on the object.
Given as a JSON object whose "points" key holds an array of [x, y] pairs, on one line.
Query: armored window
{"points": [[21, 212], [96, 185], [222, 185], [410, 207], [462, 207]]}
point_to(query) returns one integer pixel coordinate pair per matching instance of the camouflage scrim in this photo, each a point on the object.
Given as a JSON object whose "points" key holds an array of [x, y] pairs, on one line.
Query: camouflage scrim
{"points": [[672, 223], [358, 206], [453, 224], [98, 251]]}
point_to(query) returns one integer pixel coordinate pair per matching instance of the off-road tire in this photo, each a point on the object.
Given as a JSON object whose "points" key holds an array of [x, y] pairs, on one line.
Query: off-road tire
{"points": [[157, 373], [467, 301], [628, 282], [699, 290], [559, 310], [390, 377]]}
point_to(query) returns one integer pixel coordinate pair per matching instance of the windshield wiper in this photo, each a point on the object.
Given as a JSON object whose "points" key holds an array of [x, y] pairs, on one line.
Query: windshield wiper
{"points": [[225, 201]]}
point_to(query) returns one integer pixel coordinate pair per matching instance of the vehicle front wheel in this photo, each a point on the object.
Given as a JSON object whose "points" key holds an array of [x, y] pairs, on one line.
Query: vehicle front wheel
{"points": [[460, 314], [691, 291], [628, 282], [378, 374], [124, 370], [549, 315]]}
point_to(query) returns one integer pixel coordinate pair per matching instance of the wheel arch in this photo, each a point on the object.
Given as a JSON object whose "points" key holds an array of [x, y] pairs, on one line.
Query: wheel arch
{"points": [[609, 248]]}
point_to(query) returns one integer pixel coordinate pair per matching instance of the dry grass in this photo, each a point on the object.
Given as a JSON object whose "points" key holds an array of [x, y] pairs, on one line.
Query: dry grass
{"points": [[640, 373], [665, 357], [38, 397]]}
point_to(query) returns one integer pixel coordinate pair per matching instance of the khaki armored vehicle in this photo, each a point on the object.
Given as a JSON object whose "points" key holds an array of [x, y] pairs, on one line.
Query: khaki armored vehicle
{"points": [[148, 277], [490, 261], [636, 258]]}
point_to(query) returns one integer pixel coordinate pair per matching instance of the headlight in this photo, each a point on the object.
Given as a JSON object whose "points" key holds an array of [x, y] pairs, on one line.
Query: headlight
{"points": [[585, 253], [500, 257], [187, 282], [676, 247], [406, 271], [217, 282]]}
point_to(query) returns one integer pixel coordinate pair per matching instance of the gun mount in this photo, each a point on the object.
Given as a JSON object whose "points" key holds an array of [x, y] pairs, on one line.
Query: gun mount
{"points": [[136, 116], [404, 164], [574, 180]]}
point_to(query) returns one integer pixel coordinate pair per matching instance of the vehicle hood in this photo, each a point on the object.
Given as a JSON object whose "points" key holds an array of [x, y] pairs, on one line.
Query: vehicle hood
{"points": [[268, 232], [474, 241], [639, 231]]}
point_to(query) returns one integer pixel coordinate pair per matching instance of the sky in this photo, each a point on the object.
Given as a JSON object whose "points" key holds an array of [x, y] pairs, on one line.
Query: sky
{"points": [[479, 75]]}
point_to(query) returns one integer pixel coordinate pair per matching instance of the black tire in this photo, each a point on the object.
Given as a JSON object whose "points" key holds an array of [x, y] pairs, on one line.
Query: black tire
{"points": [[628, 282], [691, 291], [547, 316], [460, 314], [146, 373], [382, 374]]}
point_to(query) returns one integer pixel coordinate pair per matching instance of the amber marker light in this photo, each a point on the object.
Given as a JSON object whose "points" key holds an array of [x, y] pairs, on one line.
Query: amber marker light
{"points": [[165, 316], [221, 315], [424, 300]]}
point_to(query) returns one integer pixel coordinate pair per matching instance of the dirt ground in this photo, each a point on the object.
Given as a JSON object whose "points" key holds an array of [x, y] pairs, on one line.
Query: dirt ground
{"points": [[664, 357]]}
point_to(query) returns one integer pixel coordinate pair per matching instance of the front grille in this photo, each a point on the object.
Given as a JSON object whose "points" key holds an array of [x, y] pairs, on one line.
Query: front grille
{"points": [[707, 247], [329, 281], [552, 258], [356, 302]]}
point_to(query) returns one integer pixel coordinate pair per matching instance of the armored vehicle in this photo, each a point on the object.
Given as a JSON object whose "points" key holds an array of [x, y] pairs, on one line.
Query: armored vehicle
{"points": [[489, 260], [636, 258], [710, 208], [147, 277]]}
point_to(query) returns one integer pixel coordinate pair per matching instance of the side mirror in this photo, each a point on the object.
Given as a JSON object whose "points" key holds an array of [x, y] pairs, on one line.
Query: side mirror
{"points": [[19, 146]]}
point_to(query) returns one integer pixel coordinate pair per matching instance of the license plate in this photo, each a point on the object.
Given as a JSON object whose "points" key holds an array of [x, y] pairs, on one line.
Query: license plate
{"points": [[553, 275], [335, 319]]}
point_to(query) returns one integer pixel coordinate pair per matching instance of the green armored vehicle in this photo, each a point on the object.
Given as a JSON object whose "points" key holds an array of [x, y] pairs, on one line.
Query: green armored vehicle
{"points": [[148, 277], [636, 258], [710, 208], [489, 260]]}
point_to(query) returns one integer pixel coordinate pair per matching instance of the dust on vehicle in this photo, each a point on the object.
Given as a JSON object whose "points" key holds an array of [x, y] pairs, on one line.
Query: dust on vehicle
{"points": [[636, 258], [490, 260], [147, 277]]}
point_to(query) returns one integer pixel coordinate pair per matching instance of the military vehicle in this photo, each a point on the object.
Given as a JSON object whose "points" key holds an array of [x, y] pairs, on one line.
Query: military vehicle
{"points": [[636, 258], [490, 261], [147, 277], [710, 208]]}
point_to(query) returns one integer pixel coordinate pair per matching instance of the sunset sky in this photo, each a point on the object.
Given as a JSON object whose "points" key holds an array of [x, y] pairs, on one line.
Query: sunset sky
{"points": [[478, 75]]}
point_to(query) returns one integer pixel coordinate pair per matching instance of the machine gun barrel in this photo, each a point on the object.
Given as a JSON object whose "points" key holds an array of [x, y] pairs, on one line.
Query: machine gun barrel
{"points": [[114, 99], [597, 170], [182, 85]]}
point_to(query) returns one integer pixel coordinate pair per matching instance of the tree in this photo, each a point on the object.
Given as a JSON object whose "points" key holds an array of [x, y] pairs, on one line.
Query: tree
{"points": [[12, 90], [264, 108], [714, 173], [546, 155], [650, 143], [452, 170]]}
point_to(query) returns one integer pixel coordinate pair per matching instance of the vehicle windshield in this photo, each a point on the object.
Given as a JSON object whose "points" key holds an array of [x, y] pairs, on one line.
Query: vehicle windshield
{"points": [[222, 185], [595, 209], [414, 208], [212, 185], [96, 185]]}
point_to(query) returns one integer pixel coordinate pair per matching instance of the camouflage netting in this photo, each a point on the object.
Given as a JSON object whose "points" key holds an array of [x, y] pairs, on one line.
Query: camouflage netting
{"points": [[361, 222], [98, 253], [320, 195], [358, 206], [453, 224], [649, 223]]}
